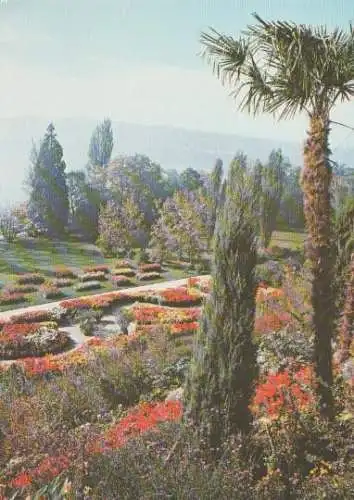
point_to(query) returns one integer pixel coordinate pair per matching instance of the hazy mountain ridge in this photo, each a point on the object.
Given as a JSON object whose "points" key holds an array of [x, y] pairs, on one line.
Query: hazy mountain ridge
{"points": [[171, 147]]}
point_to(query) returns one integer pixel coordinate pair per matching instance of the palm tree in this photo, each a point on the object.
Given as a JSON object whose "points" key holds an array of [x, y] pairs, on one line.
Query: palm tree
{"points": [[284, 69]]}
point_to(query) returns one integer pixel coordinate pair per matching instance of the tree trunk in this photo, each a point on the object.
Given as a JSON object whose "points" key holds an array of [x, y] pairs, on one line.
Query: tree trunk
{"points": [[316, 179]]}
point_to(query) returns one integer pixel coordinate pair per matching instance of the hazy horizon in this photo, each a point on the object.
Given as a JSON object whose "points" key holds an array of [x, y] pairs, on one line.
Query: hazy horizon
{"points": [[136, 63]]}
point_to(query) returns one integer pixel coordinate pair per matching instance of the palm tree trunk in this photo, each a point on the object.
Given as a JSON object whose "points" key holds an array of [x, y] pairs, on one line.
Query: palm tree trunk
{"points": [[316, 179]]}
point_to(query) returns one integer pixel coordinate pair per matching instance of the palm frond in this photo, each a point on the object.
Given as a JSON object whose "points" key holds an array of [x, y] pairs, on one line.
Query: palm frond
{"points": [[284, 68]]}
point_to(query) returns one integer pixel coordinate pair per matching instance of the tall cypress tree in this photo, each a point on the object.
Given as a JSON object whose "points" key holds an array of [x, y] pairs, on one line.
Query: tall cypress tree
{"points": [[48, 203], [223, 369]]}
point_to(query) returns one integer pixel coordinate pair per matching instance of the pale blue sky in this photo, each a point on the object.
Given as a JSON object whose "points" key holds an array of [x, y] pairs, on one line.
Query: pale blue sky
{"points": [[136, 61]]}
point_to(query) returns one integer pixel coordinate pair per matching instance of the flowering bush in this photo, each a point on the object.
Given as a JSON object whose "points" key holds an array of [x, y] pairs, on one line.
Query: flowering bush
{"points": [[119, 280], [124, 271], [88, 285], [64, 272], [30, 279], [96, 276], [12, 298], [146, 276], [144, 268]]}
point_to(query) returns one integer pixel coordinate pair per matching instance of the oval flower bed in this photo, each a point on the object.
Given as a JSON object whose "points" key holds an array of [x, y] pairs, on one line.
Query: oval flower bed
{"points": [[30, 279], [50, 292], [62, 282], [124, 271], [145, 313], [145, 268], [147, 276], [12, 298], [19, 340], [21, 289], [96, 269], [94, 276], [120, 280], [179, 296]]}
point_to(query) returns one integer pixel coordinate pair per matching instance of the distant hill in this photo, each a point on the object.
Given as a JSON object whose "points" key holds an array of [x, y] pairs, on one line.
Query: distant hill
{"points": [[173, 148]]}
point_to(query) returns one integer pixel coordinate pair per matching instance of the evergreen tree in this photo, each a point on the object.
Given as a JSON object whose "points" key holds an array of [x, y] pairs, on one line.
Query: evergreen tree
{"points": [[223, 369], [48, 203]]}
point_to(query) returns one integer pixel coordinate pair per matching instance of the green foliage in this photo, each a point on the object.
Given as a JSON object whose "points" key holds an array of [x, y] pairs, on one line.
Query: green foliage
{"points": [[223, 369]]}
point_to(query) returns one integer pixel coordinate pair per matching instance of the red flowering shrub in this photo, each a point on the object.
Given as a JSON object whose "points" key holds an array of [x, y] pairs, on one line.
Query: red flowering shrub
{"points": [[144, 268], [284, 392], [143, 418], [30, 279]]}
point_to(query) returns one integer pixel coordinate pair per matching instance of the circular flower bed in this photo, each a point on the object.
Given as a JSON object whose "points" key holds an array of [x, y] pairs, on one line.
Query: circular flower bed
{"points": [[21, 340]]}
